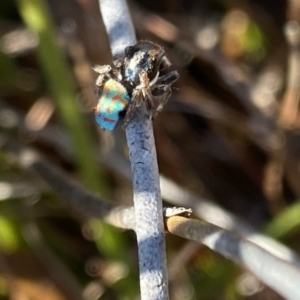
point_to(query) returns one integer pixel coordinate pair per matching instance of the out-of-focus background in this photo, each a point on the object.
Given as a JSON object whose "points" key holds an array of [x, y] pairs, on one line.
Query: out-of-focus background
{"points": [[229, 133]]}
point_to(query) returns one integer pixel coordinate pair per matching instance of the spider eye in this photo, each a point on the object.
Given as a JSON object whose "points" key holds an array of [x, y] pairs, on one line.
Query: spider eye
{"points": [[129, 51], [145, 63]]}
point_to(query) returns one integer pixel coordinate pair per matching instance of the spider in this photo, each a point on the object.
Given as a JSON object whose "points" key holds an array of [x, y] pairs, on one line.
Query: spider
{"points": [[141, 77]]}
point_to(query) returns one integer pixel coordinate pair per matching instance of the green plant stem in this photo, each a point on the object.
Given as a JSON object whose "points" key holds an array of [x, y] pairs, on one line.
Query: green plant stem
{"points": [[36, 16], [285, 223]]}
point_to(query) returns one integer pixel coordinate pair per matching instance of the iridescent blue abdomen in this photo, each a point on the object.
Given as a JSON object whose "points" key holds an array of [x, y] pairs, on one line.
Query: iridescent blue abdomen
{"points": [[113, 100]]}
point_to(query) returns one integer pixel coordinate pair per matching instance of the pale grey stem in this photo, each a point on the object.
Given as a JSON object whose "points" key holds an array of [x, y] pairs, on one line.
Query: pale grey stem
{"points": [[118, 24], [148, 209], [280, 275], [83, 201], [140, 140]]}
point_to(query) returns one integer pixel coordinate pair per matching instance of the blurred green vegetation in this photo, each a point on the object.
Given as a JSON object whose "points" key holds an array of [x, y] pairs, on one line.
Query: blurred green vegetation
{"points": [[58, 76]]}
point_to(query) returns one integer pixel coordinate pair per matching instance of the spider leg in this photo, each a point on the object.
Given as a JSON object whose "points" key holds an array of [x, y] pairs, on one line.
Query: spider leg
{"points": [[145, 87], [105, 69], [161, 96], [161, 91], [165, 63], [168, 78], [103, 73], [154, 80], [134, 103], [117, 69], [99, 82], [117, 63], [154, 94], [141, 94]]}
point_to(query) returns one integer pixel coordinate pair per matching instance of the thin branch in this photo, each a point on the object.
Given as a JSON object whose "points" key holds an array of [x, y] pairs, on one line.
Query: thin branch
{"points": [[147, 199], [118, 24], [289, 108], [287, 117], [216, 215], [203, 208], [276, 273], [85, 202], [148, 208]]}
